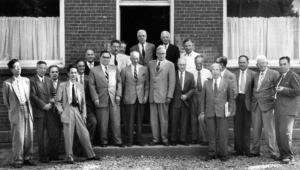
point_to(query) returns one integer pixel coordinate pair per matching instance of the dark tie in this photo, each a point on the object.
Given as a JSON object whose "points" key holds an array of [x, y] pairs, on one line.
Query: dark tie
{"points": [[199, 83], [143, 51], [242, 86], [280, 80], [116, 62], [106, 74], [180, 79], [135, 74], [158, 66], [215, 87], [73, 96]]}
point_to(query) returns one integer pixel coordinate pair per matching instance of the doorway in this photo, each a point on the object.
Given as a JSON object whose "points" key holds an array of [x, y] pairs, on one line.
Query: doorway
{"points": [[153, 19]]}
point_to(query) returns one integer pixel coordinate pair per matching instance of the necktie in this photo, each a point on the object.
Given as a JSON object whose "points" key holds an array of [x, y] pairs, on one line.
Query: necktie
{"points": [[242, 86], [260, 80], [106, 74], [280, 80], [116, 62], [143, 51], [135, 74], [73, 96], [55, 84], [215, 87], [181, 79], [158, 66], [199, 83], [81, 79]]}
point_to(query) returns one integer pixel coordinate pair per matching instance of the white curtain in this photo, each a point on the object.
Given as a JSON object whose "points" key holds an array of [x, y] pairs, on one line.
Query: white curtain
{"points": [[272, 37], [29, 38]]}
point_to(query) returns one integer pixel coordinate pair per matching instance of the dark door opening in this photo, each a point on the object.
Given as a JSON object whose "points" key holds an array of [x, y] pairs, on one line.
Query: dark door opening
{"points": [[150, 18]]}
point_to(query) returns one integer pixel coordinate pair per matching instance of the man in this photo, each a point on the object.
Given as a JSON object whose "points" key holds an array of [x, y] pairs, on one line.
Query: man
{"points": [[40, 96], [70, 103], [106, 92], [198, 125], [162, 86], [216, 94], [15, 92], [117, 59], [90, 61], [184, 89], [189, 54], [172, 51], [146, 49], [135, 81], [262, 106], [91, 121], [286, 109], [123, 47], [54, 124], [243, 118]]}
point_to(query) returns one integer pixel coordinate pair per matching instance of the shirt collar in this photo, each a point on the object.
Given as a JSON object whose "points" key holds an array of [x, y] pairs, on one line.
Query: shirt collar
{"points": [[245, 71], [190, 54], [222, 72], [264, 71], [41, 78]]}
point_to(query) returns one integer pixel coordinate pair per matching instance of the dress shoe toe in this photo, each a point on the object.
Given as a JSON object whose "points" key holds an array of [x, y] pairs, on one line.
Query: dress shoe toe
{"points": [[70, 162], [121, 145], [166, 143], [94, 158]]}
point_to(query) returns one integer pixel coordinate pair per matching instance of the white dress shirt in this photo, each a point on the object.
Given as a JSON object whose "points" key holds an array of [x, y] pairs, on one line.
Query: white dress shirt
{"points": [[183, 78], [41, 78], [218, 83], [205, 74], [190, 60], [141, 47], [137, 69], [90, 65], [240, 80]]}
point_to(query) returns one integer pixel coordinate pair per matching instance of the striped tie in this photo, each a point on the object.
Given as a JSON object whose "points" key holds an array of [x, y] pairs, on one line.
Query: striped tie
{"points": [[106, 74], [135, 74]]}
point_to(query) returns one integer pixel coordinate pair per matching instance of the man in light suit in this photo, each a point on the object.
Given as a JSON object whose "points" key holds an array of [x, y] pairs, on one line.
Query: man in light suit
{"points": [[106, 91], [286, 109], [217, 93], [172, 50], [243, 118], [70, 103], [162, 86], [146, 50], [40, 96], [90, 61], [180, 106], [262, 106], [117, 59], [135, 81], [189, 54], [16, 99]]}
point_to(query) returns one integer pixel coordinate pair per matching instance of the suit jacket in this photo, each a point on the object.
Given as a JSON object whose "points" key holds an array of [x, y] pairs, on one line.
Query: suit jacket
{"points": [[54, 92], [173, 54], [264, 96], [11, 99], [229, 75], [149, 53], [133, 90], [40, 95], [162, 82], [248, 86], [286, 102], [63, 100], [214, 104], [87, 69], [188, 89], [102, 90]]}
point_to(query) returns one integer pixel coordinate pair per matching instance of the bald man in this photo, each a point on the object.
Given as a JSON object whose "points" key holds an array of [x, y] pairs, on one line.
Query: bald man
{"points": [[172, 50], [145, 49], [184, 89]]}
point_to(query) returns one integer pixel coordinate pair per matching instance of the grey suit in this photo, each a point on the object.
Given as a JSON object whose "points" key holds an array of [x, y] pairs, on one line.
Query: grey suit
{"points": [[286, 109], [20, 117], [149, 53], [162, 86]]}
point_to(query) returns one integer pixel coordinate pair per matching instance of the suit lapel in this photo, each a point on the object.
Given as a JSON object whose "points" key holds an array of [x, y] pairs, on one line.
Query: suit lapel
{"points": [[68, 92], [210, 84], [285, 78], [102, 74], [248, 80], [26, 87], [162, 64], [15, 87], [220, 86], [265, 79], [40, 84]]}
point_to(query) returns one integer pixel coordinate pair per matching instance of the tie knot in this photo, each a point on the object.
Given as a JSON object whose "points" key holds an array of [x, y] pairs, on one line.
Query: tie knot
{"points": [[262, 73], [106, 67], [181, 72]]}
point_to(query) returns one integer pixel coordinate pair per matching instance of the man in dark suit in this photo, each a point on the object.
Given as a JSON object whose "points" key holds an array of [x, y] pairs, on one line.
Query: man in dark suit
{"points": [[242, 119], [54, 124], [146, 50], [172, 50], [262, 106], [105, 85], [90, 61], [91, 121], [135, 81], [184, 89], [162, 86], [216, 94], [40, 96], [286, 109]]}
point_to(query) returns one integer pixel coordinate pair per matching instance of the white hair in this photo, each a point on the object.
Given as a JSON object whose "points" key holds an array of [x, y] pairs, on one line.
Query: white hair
{"points": [[182, 59], [161, 47], [165, 32], [134, 53], [141, 31], [214, 65], [261, 58]]}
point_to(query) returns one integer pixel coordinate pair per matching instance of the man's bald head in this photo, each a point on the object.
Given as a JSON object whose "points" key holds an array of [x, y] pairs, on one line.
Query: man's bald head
{"points": [[134, 57], [181, 63]]}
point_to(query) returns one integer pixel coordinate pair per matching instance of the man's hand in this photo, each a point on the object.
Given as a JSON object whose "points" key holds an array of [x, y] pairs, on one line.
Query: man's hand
{"points": [[144, 100], [84, 120], [48, 106], [97, 104], [118, 99], [183, 97], [168, 100], [279, 89], [52, 101], [60, 112]]}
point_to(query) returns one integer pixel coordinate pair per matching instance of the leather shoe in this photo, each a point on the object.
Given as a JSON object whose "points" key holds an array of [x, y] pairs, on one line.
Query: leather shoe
{"points": [[173, 143], [194, 142], [209, 157], [184, 143], [287, 160], [278, 158], [166, 143], [56, 159], [70, 162], [204, 143], [121, 145], [153, 143], [44, 160], [237, 153], [254, 155], [94, 158], [103, 145], [129, 144], [224, 158], [18, 165], [29, 162], [139, 143], [273, 157]]}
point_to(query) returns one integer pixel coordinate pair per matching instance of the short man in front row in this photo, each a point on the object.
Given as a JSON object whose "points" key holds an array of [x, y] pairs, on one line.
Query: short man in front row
{"points": [[243, 118], [162, 86], [135, 81], [286, 109], [70, 103], [106, 92], [262, 106], [217, 93], [16, 99], [184, 89]]}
